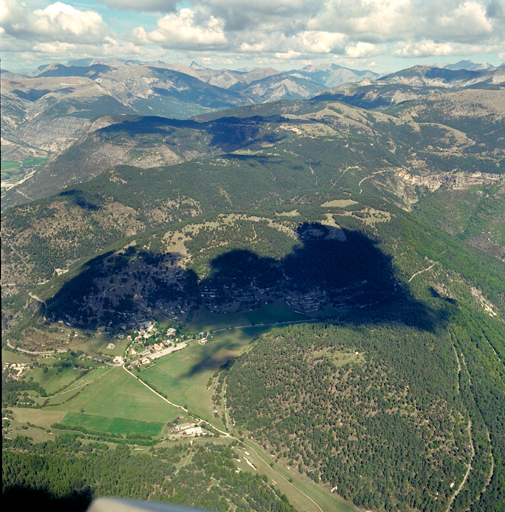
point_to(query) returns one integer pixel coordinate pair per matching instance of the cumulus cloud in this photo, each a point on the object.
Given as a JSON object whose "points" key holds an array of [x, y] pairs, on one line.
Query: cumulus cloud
{"points": [[185, 29], [360, 50], [268, 29], [57, 22], [458, 22], [393, 20], [429, 48], [370, 20]]}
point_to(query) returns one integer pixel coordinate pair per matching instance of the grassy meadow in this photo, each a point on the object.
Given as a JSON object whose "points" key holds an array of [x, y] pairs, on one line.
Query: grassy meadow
{"points": [[110, 425], [183, 376], [53, 381], [277, 311], [119, 395]]}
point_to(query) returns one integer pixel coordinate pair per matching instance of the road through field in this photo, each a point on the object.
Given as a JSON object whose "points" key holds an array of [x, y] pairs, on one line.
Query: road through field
{"points": [[255, 450]]}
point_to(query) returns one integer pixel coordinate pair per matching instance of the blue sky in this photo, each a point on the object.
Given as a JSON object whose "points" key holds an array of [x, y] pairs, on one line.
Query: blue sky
{"points": [[381, 35]]}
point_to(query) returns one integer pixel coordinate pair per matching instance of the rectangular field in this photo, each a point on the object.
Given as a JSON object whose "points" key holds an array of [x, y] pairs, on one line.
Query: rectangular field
{"points": [[119, 394], [111, 425], [52, 380]]}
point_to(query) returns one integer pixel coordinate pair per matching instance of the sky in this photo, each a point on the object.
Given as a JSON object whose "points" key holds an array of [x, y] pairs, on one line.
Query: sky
{"points": [[381, 35]]}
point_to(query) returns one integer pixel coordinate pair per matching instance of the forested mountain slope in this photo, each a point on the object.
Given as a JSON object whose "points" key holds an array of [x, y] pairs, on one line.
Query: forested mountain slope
{"points": [[364, 228], [383, 413]]}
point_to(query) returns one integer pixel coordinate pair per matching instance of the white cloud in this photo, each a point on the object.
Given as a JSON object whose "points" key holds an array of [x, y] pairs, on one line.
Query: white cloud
{"points": [[360, 50], [429, 48], [464, 22], [319, 42], [185, 29], [263, 29], [57, 22], [287, 55], [58, 51], [368, 20]]}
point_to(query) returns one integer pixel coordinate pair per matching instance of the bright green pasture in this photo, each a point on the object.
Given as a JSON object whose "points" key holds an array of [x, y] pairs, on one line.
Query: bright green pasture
{"points": [[111, 425], [77, 386], [183, 375], [52, 381], [16, 164], [35, 161], [119, 394], [10, 164]]}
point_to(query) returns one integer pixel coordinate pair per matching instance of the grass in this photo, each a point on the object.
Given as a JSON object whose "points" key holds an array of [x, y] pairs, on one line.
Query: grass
{"points": [[15, 357], [182, 376], [118, 350], [52, 381], [278, 311], [111, 425], [17, 164], [42, 417], [94, 345], [10, 164], [72, 389], [118, 394]]}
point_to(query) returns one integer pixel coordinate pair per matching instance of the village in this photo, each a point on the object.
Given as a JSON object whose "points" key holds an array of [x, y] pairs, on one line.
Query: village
{"points": [[152, 342]]}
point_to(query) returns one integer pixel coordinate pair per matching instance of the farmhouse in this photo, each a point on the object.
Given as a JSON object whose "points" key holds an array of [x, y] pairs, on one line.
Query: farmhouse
{"points": [[192, 431], [183, 426]]}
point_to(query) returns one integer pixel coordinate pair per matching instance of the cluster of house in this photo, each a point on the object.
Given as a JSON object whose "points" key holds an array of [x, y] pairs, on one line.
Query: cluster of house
{"points": [[15, 370], [187, 429], [310, 302]]}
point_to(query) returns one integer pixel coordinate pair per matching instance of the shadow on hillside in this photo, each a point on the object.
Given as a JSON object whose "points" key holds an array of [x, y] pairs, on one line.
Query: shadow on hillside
{"points": [[327, 267], [226, 133], [24, 498], [77, 198]]}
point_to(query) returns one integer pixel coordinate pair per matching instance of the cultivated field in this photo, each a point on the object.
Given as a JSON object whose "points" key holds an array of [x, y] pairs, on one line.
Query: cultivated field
{"points": [[118, 394], [111, 425], [52, 380]]}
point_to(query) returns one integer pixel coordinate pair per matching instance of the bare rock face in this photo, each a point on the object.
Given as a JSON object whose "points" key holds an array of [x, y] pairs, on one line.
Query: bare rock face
{"points": [[406, 185], [53, 135]]}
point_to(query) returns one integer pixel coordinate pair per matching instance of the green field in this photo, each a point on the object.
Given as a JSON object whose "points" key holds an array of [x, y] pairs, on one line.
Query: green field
{"points": [[118, 394], [118, 350], [78, 386], [111, 425], [15, 357], [278, 311], [182, 376], [10, 164], [52, 381], [16, 164]]}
